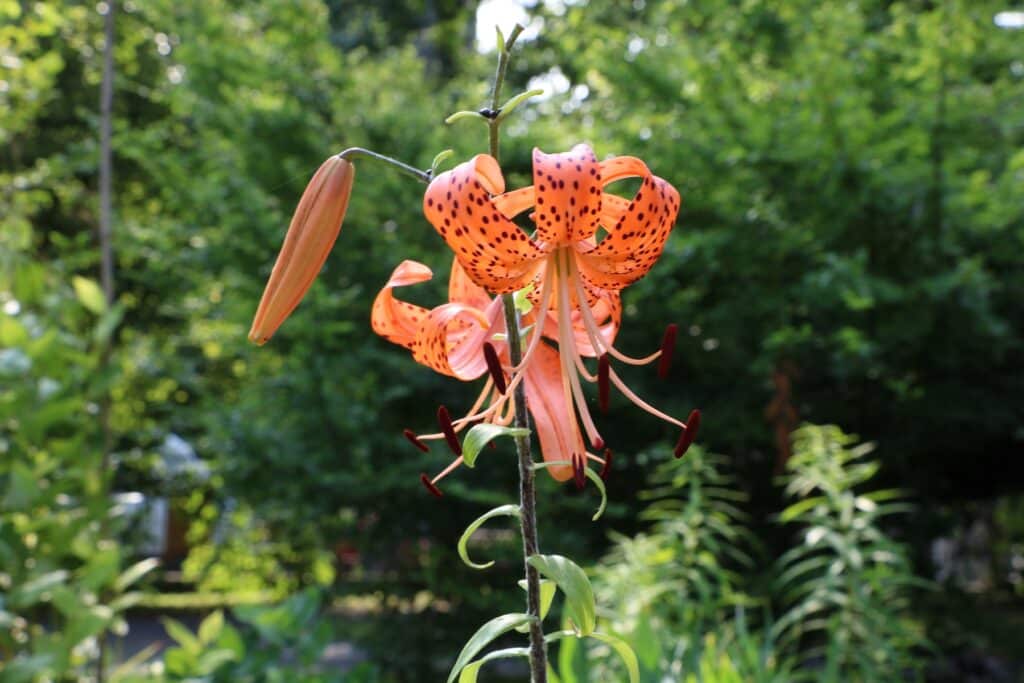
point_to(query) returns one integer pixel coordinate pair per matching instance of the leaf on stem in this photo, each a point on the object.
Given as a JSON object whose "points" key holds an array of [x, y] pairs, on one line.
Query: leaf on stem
{"points": [[482, 434], [469, 673], [579, 595], [502, 511], [484, 635]]}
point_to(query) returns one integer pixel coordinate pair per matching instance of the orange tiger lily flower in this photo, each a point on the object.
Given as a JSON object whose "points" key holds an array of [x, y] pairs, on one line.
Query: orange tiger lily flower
{"points": [[311, 234], [563, 260], [453, 338]]}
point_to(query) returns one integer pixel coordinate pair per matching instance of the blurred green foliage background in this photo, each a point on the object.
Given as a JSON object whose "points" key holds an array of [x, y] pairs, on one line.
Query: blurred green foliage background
{"points": [[849, 251]]}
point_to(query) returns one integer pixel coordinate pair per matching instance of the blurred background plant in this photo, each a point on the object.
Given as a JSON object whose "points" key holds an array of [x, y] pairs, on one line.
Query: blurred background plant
{"points": [[847, 253]]}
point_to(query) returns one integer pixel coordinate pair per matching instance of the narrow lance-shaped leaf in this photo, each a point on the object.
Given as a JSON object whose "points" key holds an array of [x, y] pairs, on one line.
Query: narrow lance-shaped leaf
{"points": [[486, 633], [482, 434], [469, 673], [502, 511], [579, 595]]}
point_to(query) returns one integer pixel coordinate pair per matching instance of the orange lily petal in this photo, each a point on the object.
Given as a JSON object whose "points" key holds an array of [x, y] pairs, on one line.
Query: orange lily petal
{"points": [[398, 321], [568, 195], [311, 234], [461, 289], [450, 341], [495, 253], [556, 428], [636, 241]]}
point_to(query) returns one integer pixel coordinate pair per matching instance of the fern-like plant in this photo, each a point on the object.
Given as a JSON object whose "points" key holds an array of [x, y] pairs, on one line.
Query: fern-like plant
{"points": [[663, 590], [846, 585]]}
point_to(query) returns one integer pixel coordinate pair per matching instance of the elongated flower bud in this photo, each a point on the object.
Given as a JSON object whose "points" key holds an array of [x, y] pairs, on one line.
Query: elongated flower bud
{"points": [[311, 234]]}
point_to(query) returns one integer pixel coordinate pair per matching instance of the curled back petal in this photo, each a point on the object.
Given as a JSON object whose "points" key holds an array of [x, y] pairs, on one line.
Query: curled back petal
{"points": [[556, 427], [567, 188], [398, 321], [636, 241], [619, 168], [450, 339], [494, 252]]}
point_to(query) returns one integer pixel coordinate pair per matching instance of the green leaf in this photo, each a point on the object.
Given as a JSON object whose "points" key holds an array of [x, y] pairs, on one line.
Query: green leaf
{"points": [[469, 673], [438, 160], [482, 434], [459, 115], [599, 483], [514, 102], [135, 572], [89, 294], [521, 299], [579, 596], [36, 589], [188, 642], [210, 628], [625, 652], [22, 487], [502, 511], [547, 595], [486, 633], [591, 474], [501, 39]]}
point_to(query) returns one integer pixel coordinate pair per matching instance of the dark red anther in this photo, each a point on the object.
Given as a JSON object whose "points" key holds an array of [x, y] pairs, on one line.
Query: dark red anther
{"points": [[578, 463], [606, 468], [494, 367], [689, 434], [415, 440], [597, 443], [668, 347], [603, 368], [445, 420], [430, 486]]}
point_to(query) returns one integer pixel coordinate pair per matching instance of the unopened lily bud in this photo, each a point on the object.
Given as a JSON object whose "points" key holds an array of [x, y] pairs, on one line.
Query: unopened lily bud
{"points": [[311, 234]]}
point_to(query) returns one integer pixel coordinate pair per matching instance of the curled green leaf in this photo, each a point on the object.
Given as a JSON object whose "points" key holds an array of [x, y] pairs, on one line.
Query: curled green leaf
{"points": [[624, 651], [465, 114], [502, 511], [591, 474], [481, 435], [514, 102], [469, 673], [438, 160], [483, 637], [579, 595]]}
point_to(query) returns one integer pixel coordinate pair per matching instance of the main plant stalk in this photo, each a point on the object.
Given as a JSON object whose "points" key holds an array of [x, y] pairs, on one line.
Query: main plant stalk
{"points": [[527, 490]]}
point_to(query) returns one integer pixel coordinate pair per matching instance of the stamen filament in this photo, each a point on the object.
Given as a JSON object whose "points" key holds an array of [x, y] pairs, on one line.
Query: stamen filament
{"points": [[447, 470], [594, 330], [540, 317], [628, 393], [567, 353]]}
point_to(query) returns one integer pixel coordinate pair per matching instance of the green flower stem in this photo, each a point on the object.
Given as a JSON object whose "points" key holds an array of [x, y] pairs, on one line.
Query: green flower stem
{"points": [[527, 490], [360, 153]]}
